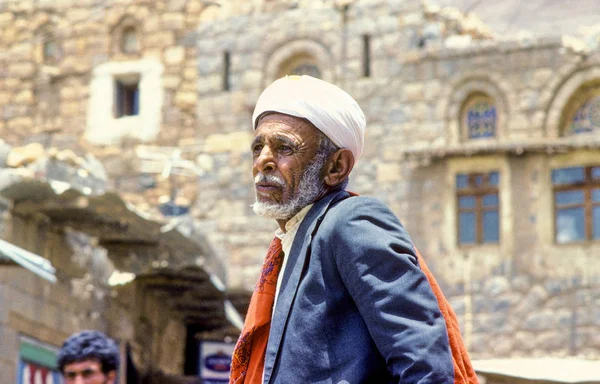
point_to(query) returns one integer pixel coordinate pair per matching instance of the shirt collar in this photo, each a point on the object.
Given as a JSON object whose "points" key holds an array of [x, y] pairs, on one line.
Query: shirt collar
{"points": [[293, 222]]}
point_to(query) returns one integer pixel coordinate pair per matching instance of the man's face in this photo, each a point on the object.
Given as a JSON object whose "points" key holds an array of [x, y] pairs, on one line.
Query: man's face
{"points": [[283, 149], [87, 372]]}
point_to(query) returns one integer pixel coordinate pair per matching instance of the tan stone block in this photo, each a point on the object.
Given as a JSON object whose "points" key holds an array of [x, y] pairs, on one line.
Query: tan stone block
{"points": [[12, 82], [6, 17], [159, 39], [186, 99], [68, 93], [151, 24], [173, 20], [174, 55], [154, 53], [240, 141], [77, 14], [24, 97], [519, 122], [5, 98], [205, 162], [238, 103], [193, 7], [20, 123], [541, 77], [70, 109], [209, 13], [388, 172], [38, 20], [9, 35], [22, 69], [413, 92], [23, 155], [419, 112], [190, 73], [217, 143], [171, 81]]}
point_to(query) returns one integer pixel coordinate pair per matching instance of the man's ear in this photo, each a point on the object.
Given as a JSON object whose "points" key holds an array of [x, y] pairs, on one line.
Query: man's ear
{"points": [[338, 167], [111, 377]]}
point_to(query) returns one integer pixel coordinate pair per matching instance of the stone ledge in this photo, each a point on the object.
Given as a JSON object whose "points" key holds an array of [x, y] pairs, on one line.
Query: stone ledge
{"points": [[543, 145], [538, 371]]}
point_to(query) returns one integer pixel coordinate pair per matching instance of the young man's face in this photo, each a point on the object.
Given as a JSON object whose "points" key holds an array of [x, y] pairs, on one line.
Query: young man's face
{"points": [[87, 372]]}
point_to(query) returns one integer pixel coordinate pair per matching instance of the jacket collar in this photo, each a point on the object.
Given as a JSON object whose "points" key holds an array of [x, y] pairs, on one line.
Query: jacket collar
{"points": [[296, 264]]}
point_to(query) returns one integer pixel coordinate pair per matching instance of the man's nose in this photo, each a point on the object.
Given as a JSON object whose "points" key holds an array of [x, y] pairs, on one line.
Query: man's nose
{"points": [[265, 161]]}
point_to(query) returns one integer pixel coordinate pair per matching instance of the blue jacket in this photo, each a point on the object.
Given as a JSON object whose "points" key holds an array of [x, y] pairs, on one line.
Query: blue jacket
{"points": [[354, 306]]}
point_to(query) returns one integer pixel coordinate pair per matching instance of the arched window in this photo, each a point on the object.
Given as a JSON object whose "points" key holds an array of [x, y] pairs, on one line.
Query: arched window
{"points": [[302, 64], [583, 111], [479, 117], [48, 48], [306, 69], [125, 37], [129, 40]]}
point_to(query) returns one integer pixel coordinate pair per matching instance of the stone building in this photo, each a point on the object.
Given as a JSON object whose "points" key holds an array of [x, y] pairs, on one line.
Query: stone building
{"points": [[485, 146]]}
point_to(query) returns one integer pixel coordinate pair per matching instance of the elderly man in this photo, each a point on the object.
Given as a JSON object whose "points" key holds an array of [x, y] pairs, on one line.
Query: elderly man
{"points": [[89, 357], [343, 296]]}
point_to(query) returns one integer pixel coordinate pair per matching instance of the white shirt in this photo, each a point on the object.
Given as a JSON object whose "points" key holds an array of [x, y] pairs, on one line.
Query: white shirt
{"points": [[287, 239]]}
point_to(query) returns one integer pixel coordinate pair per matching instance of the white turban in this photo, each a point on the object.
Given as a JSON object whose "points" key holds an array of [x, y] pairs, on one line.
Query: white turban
{"points": [[327, 107]]}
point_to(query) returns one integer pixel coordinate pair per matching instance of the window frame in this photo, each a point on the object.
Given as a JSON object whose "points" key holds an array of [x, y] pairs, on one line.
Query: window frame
{"points": [[478, 193], [586, 186]]}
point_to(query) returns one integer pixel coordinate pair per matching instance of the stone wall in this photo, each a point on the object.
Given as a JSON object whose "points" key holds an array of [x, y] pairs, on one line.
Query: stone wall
{"points": [[67, 101]]}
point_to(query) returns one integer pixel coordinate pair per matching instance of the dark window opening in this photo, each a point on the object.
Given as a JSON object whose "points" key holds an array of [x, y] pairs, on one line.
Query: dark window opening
{"points": [[127, 98], [50, 50], [226, 71], [576, 204], [129, 40], [366, 55], [478, 208]]}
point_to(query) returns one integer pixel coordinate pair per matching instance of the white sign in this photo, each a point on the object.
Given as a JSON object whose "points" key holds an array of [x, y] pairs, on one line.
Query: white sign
{"points": [[215, 361]]}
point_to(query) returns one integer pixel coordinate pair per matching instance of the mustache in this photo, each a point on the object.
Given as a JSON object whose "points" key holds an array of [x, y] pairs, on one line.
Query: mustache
{"points": [[261, 178]]}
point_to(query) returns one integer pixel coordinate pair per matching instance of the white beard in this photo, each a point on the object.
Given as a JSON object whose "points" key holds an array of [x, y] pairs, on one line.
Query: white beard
{"points": [[310, 188]]}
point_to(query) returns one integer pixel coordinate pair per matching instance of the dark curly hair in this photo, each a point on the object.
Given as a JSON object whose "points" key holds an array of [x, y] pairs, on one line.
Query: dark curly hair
{"points": [[89, 345]]}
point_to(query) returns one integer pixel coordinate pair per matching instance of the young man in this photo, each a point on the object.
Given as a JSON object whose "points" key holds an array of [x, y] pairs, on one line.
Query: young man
{"points": [[89, 357], [343, 297]]}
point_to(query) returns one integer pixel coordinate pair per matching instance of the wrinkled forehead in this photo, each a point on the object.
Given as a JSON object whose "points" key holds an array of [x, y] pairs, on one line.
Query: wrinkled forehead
{"points": [[293, 121]]}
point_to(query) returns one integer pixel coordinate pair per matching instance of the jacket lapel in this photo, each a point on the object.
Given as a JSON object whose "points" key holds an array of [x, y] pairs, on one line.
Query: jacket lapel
{"points": [[291, 278]]}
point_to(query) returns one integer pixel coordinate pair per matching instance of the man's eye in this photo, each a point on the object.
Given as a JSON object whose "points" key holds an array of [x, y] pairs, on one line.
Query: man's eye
{"points": [[285, 148], [87, 373], [256, 149]]}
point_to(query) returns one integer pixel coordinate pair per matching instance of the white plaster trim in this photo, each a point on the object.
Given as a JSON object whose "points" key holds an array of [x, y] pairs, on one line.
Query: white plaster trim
{"points": [[102, 126]]}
